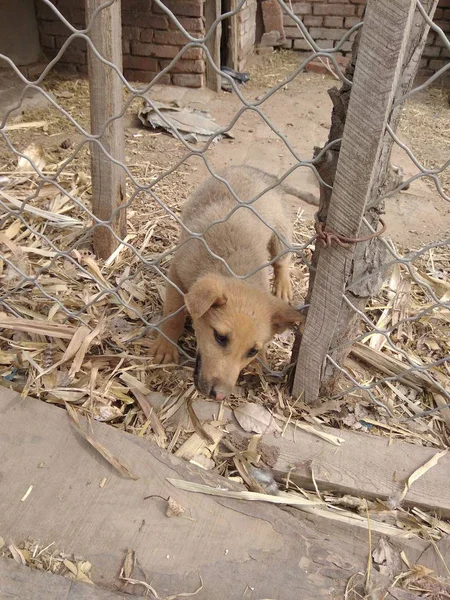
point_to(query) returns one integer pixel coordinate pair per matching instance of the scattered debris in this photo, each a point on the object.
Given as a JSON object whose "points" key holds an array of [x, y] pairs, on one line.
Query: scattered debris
{"points": [[190, 124], [256, 418], [47, 558]]}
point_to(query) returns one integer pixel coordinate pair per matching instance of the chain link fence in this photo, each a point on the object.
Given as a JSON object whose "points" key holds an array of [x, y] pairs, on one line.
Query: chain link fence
{"points": [[78, 325]]}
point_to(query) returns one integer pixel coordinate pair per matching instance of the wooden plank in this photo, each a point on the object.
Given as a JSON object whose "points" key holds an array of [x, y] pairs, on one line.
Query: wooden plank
{"points": [[67, 506], [363, 274], [366, 466], [212, 12], [17, 581], [106, 93], [386, 30]]}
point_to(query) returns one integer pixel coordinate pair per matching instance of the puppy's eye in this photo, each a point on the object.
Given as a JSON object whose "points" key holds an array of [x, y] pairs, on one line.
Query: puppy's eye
{"points": [[222, 340], [252, 352]]}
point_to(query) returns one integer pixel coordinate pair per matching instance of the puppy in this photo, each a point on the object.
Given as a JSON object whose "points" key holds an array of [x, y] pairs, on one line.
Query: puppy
{"points": [[233, 318]]}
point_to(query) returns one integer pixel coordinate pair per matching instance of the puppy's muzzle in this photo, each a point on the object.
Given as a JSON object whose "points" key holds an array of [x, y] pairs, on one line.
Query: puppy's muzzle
{"points": [[203, 386]]}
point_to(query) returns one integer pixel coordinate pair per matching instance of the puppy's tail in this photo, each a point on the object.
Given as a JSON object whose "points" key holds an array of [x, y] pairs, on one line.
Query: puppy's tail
{"points": [[305, 196], [289, 189]]}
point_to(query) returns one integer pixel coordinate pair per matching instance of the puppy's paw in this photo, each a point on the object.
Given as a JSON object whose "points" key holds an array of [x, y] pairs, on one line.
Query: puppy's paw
{"points": [[283, 288], [163, 351]]}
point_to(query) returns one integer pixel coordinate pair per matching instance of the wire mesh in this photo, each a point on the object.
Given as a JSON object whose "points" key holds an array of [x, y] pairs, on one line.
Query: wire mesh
{"points": [[50, 275]]}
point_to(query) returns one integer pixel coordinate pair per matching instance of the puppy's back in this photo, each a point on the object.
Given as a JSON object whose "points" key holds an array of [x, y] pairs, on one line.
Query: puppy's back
{"points": [[241, 239]]}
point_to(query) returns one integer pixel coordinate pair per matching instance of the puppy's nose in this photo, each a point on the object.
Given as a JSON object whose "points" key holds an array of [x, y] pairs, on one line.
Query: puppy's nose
{"points": [[215, 395]]}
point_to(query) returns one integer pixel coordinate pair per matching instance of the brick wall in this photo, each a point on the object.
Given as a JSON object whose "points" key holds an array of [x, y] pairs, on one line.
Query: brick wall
{"points": [[246, 31], [328, 20], [150, 39]]}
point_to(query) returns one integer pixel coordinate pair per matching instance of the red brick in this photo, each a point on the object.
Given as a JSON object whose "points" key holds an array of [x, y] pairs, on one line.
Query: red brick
{"points": [[272, 16], [425, 73], [131, 33], [423, 63], [360, 10], [343, 10], [431, 51], [351, 22], [438, 64], [47, 41], [147, 35], [78, 17], [126, 47], [444, 25], [358, 1], [140, 63], [55, 28], [185, 66], [293, 32], [189, 23], [76, 43], [302, 9], [439, 41], [301, 45], [445, 52], [171, 51], [132, 19], [74, 56], [346, 47], [333, 21], [193, 81], [173, 38], [144, 76], [445, 15], [137, 18], [288, 21], [444, 4], [140, 49], [159, 22], [311, 21], [43, 11], [327, 34], [316, 66], [324, 44], [185, 8], [438, 13]]}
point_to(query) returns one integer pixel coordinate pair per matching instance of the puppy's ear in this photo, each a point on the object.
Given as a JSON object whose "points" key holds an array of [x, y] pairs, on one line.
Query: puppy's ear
{"points": [[208, 291], [284, 315]]}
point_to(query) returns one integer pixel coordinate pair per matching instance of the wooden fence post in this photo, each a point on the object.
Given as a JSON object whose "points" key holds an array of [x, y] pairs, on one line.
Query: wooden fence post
{"points": [[213, 12], [106, 94], [390, 46]]}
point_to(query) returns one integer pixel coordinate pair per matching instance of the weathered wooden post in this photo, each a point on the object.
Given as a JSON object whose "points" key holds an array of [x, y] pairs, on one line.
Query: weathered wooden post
{"points": [[212, 12], [106, 93], [388, 53]]}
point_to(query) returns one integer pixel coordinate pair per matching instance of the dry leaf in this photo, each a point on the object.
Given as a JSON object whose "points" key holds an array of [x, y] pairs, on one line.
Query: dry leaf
{"points": [[84, 347], [128, 564], [203, 461], [107, 413], [35, 153], [100, 449], [397, 498], [255, 418], [17, 554], [422, 470], [173, 508]]}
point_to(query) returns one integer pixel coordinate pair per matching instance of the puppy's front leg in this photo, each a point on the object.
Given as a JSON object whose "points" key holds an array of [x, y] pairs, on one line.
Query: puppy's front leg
{"points": [[163, 350]]}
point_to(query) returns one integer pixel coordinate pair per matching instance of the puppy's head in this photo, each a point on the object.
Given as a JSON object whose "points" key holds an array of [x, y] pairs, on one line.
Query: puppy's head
{"points": [[233, 321]]}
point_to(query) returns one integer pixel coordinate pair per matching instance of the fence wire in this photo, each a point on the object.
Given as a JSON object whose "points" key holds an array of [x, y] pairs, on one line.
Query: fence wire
{"points": [[44, 290]]}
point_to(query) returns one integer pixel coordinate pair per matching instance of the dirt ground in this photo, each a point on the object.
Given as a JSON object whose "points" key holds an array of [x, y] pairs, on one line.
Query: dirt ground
{"points": [[301, 112]]}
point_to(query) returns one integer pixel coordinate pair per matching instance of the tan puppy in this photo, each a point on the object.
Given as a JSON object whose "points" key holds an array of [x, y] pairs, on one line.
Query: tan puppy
{"points": [[233, 318]]}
